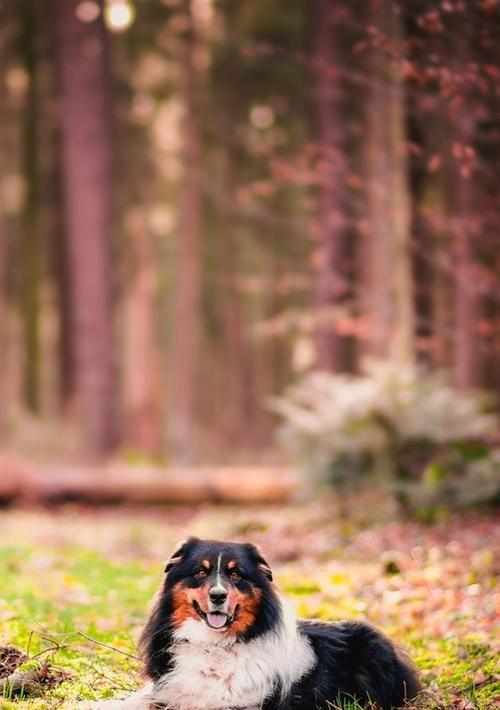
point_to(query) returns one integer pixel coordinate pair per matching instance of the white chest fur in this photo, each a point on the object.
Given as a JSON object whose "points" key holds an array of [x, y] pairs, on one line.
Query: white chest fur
{"points": [[214, 672]]}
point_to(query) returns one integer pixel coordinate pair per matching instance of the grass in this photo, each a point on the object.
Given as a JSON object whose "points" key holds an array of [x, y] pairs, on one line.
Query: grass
{"points": [[75, 587]]}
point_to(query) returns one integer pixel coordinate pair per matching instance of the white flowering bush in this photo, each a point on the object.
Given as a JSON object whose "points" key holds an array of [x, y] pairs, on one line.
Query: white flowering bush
{"points": [[389, 419]]}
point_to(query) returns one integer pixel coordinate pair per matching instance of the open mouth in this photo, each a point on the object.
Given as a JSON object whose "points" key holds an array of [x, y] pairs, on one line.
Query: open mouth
{"points": [[215, 619]]}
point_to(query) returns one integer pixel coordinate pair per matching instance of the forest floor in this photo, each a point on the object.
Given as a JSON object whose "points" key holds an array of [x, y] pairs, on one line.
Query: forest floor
{"points": [[75, 584]]}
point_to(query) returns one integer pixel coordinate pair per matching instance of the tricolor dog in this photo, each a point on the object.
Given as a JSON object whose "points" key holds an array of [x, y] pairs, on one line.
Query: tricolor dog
{"points": [[220, 637]]}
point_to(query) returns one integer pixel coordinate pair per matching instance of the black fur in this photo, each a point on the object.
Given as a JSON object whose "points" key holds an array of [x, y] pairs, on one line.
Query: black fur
{"points": [[354, 660]]}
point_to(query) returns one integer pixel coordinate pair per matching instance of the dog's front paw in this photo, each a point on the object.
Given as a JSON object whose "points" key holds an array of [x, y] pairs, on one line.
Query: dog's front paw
{"points": [[98, 705], [137, 701], [104, 705]]}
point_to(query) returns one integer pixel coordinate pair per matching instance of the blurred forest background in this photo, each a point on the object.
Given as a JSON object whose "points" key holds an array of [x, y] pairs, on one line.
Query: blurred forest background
{"points": [[202, 201]]}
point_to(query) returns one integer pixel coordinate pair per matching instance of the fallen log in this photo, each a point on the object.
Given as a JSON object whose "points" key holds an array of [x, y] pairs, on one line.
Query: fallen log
{"points": [[13, 471], [149, 484]]}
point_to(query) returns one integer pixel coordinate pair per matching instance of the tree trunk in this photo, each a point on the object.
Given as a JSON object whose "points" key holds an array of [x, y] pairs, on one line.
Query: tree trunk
{"points": [[86, 141], [387, 259], [31, 251], [3, 226], [3, 311], [53, 227], [237, 373], [330, 279], [239, 376], [142, 393], [466, 301], [466, 306], [425, 336], [187, 316]]}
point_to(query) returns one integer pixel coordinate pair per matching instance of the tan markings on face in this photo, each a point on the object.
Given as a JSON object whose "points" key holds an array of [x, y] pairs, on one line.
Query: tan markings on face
{"points": [[248, 605], [206, 564], [231, 565], [183, 598]]}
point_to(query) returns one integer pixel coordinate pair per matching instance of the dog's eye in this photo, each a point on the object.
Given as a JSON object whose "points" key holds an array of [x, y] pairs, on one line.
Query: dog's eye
{"points": [[201, 574], [235, 576]]}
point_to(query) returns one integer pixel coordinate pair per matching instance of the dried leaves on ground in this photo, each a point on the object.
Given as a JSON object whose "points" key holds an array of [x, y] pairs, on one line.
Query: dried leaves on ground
{"points": [[22, 677]]}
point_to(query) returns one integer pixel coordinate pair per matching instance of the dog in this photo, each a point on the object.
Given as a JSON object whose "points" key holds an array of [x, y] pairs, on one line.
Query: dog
{"points": [[220, 637]]}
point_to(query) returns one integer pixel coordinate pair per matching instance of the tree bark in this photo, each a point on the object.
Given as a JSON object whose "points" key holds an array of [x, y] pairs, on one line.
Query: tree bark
{"points": [[466, 301], [330, 278], [237, 374], [3, 226], [52, 196], [85, 114], [187, 301], [142, 394], [3, 314], [387, 260], [31, 256], [239, 377]]}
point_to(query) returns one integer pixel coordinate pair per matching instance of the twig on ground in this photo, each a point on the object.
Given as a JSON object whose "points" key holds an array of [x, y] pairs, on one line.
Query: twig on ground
{"points": [[107, 645], [55, 647], [28, 645], [49, 650], [114, 681]]}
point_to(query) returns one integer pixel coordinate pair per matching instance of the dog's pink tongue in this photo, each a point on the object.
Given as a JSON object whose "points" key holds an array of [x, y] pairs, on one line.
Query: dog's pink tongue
{"points": [[216, 620]]}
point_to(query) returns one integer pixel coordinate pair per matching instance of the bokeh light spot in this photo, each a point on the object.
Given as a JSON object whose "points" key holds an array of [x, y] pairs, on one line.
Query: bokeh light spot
{"points": [[119, 15], [87, 11], [261, 116]]}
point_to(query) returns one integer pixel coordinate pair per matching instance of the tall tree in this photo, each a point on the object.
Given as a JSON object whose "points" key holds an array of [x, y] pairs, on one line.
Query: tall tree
{"points": [[52, 199], [187, 300], [466, 300], [141, 394], [387, 258], [236, 380], [31, 261], [4, 51], [86, 139], [330, 281]]}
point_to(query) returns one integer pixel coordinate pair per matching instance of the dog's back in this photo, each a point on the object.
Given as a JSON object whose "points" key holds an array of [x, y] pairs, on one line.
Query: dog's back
{"points": [[354, 661]]}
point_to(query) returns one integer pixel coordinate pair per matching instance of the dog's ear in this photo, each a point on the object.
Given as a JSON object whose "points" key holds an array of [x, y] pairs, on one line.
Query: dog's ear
{"points": [[265, 569], [180, 552], [261, 562]]}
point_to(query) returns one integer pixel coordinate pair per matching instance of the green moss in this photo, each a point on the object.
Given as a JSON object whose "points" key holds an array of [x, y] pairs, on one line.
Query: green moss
{"points": [[302, 587]]}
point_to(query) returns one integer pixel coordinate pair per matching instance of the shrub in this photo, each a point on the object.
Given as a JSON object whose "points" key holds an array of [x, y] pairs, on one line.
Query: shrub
{"points": [[402, 422]]}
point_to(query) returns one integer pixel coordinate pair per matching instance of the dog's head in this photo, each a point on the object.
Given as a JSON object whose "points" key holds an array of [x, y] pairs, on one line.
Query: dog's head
{"points": [[223, 585], [212, 589]]}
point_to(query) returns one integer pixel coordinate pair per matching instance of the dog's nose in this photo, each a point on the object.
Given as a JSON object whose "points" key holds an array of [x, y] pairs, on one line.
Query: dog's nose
{"points": [[218, 595]]}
